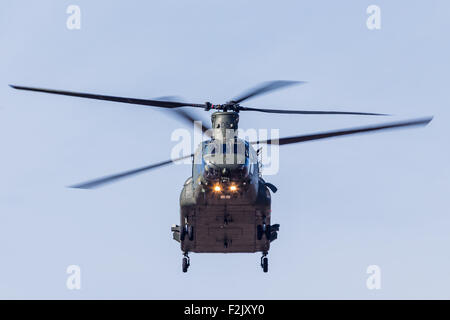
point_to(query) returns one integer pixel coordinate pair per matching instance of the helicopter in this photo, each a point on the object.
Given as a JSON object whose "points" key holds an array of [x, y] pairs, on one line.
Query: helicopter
{"points": [[225, 204]]}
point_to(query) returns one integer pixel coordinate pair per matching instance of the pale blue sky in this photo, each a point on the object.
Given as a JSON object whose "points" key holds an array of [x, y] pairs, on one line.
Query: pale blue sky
{"points": [[343, 204]]}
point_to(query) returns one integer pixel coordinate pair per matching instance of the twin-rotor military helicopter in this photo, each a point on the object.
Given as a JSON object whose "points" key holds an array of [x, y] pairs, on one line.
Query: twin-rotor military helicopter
{"points": [[225, 205]]}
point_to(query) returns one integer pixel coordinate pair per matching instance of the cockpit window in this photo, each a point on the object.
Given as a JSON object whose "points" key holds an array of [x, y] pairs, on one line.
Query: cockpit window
{"points": [[236, 156], [234, 151]]}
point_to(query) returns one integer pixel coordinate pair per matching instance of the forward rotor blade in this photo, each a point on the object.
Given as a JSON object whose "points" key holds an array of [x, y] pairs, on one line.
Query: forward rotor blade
{"points": [[145, 102], [189, 117], [115, 177], [264, 88], [330, 134], [310, 112]]}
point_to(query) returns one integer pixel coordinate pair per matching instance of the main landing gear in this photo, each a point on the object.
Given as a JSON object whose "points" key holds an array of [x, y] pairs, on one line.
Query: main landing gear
{"points": [[265, 262], [188, 231], [186, 262], [269, 231]]}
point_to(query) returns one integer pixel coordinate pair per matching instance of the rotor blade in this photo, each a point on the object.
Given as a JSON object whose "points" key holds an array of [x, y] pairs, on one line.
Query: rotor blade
{"points": [[188, 116], [115, 177], [330, 134], [145, 102], [311, 112], [264, 88]]}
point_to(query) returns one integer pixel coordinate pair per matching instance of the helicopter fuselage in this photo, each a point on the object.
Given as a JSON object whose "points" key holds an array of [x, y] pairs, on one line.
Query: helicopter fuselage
{"points": [[225, 204]]}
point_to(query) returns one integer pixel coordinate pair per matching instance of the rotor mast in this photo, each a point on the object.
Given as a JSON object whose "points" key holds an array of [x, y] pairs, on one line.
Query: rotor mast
{"points": [[225, 125]]}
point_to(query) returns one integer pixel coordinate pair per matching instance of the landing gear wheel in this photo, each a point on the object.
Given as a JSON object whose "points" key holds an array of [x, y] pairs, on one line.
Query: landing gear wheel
{"points": [[265, 264], [186, 263], [190, 232]]}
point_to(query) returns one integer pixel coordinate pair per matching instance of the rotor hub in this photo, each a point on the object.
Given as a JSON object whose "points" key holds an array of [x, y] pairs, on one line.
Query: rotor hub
{"points": [[229, 106]]}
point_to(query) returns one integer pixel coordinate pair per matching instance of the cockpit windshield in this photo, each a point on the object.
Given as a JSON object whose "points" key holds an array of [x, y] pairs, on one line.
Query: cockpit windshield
{"points": [[217, 158], [233, 152]]}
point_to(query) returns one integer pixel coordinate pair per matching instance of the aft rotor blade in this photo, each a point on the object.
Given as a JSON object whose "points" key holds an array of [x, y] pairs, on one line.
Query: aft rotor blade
{"points": [[264, 88], [344, 132], [115, 177], [311, 112], [145, 102]]}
